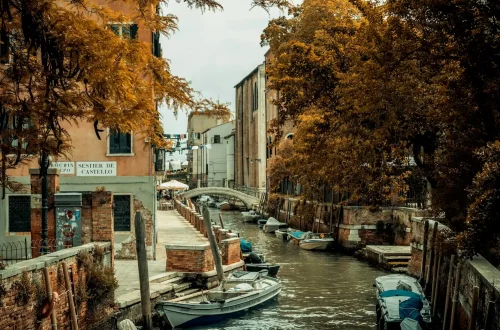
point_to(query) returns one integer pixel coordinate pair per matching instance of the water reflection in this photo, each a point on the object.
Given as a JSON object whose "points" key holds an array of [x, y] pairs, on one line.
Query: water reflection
{"points": [[321, 290]]}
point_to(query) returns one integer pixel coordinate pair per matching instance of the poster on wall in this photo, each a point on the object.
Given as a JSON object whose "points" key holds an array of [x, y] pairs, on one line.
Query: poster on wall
{"points": [[96, 168]]}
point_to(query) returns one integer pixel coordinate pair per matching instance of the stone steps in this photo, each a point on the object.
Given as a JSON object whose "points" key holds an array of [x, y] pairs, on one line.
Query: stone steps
{"points": [[182, 286], [163, 277], [186, 292]]}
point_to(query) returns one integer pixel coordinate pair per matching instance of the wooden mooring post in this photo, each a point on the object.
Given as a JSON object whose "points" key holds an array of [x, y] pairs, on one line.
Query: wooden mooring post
{"points": [[424, 250], [213, 244], [48, 287], [142, 261], [448, 292], [67, 283], [435, 287], [432, 257], [473, 311], [456, 289]]}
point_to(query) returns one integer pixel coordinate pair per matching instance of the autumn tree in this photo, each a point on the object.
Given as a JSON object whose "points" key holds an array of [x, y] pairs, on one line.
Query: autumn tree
{"points": [[384, 91], [63, 63]]}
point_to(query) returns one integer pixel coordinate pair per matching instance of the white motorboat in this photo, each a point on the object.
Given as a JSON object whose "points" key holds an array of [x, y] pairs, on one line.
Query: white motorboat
{"points": [[401, 303], [317, 242], [239, 292], [272, 225], [250, 216]]}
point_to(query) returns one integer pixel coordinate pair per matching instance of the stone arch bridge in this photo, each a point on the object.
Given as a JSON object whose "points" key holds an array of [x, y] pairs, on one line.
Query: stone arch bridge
{"points": [[249, 200]]}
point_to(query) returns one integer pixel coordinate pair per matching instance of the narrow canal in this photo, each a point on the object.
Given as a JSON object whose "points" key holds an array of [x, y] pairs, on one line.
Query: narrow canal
{"points": [[321, 290]]}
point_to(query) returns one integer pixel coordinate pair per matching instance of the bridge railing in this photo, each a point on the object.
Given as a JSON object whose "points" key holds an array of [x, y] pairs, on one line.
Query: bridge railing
{"points": [[246, 190], [231, 185]]}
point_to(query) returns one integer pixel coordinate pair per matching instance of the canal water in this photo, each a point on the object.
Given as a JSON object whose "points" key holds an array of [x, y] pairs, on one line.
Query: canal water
{"points": [[321, 290]]}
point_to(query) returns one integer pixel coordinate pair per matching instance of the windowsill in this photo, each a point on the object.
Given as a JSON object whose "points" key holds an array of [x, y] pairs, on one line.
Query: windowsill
{"points": [[15, 233], [119, 155]]}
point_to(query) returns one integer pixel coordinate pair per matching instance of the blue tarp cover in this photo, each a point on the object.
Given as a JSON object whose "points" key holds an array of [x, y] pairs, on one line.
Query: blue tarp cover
{"points": [[297, 234], [401, 293], [245, 245], [409, 308]]}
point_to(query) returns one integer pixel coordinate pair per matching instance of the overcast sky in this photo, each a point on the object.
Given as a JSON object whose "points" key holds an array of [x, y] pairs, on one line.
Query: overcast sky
{"points": [[214, 51]]}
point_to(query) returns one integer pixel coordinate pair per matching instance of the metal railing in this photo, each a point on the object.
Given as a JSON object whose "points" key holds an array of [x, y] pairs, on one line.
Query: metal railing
{"points": [[16, 251], [12, 252]]}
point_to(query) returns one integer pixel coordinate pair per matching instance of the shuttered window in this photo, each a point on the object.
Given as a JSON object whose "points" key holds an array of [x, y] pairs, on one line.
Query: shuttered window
{"points": [[120, 143], [126, 31], [19, 214], [122, 213]]}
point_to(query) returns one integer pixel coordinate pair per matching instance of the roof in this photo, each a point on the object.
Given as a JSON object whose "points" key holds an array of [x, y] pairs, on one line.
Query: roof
{"points": [[208, 129], [249, 75]]}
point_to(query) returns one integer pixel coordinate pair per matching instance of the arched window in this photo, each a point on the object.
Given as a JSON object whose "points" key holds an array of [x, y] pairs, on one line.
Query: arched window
{"points": [[289, 136]]}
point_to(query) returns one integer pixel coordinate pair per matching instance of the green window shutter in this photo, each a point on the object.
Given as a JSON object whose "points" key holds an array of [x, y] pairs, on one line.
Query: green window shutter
{"points": [[115, 28], [133, 31]]}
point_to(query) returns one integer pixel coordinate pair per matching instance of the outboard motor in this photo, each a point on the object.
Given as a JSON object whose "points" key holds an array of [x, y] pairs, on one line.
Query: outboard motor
{"points": [[253, 258]]}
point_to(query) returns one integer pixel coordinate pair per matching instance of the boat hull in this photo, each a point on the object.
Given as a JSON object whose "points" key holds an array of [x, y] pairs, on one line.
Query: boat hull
{"points": [[272, 270], [283, 235], [187, 315], [316, 246]]}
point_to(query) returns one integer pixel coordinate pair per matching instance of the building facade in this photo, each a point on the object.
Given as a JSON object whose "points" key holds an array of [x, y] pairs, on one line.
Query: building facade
{"points": [[215, 154], [119, 162], [198, 122], [250, 133], [288, 129]]}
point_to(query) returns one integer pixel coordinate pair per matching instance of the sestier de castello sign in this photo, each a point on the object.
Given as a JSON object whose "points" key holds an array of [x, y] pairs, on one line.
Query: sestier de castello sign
{"points": [[96, 168]]}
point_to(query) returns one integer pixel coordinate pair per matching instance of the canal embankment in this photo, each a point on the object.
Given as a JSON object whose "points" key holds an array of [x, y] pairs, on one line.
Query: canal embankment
{"points": [[184, 266]]}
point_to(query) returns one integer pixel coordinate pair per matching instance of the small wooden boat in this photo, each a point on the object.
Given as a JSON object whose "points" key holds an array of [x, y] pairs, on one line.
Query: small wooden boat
{"points": [[239, 292], [282, 233], [272, 269], [297, 236], [224, 206], [261, 222], [401, 303], [256, 263], [317, 242], [272, 225]]}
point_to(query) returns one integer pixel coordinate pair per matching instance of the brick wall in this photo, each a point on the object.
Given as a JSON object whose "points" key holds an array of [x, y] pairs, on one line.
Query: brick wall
{"points": [[189, 258], [231, 251], [18, 316]]}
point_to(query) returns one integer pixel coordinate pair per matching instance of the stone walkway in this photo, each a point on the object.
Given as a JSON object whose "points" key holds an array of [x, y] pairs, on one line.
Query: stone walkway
{"points": [[172, 229]]}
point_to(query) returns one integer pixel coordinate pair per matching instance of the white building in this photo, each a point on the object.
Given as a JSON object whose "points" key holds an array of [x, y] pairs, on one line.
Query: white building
{"points": [[215, 156]]}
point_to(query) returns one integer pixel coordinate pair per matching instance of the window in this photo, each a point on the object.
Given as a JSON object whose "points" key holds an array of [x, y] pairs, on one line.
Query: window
{"points": [[120, 143], [20, 214], [17, 127], [255, 98], [122, 212], [217, 139], [124, 30], [197, 136], [289, 136]]}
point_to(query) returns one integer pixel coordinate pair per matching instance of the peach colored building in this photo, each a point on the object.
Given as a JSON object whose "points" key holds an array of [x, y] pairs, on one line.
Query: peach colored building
{"points": [[121, 163]]}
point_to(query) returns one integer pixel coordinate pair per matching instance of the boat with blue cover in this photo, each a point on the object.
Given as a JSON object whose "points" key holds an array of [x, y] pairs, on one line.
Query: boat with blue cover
{"points": [[401, 303], [238, 293], [245, 246]]}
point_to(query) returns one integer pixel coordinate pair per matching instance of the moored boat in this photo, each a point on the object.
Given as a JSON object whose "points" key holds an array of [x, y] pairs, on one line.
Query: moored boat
{"points": [[282, 233], [401, 303], [250, 216], [272, 225], [317, 242], [239, 292], [297, 236], [256, 263], [261, 222]]}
